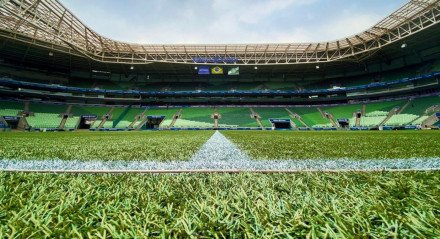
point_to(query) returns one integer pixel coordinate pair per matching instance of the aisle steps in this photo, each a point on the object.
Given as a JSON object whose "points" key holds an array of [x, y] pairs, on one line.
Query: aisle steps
{"points": [[257, 117]]}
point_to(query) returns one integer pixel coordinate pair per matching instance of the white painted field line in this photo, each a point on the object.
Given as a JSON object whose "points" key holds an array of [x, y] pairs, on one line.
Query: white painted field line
{"points": [[219, 154], [214, 171]]}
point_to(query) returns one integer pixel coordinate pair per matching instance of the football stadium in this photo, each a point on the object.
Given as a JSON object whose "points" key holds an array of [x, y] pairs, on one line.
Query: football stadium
{"points": [[100, 138]]}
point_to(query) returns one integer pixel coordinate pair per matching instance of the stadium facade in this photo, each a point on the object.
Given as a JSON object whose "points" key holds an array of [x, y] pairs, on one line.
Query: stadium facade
{"points": [[386, 76]]}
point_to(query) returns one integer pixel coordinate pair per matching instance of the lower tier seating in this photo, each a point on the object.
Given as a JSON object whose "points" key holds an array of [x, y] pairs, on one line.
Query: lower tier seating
{"points": [[44, 120], [71, 122], [414, 112], [401, 120]]}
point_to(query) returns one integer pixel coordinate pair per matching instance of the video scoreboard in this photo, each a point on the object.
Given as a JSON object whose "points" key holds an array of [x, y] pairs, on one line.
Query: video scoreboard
{"points": [[218, 70]]}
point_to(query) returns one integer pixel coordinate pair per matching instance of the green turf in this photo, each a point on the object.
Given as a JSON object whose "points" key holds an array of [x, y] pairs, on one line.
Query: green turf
{"points": [[307, 205], [102, 145], [336, 145]]}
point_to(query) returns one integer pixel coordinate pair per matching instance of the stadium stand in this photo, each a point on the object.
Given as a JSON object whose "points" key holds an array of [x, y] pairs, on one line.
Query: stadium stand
{"points": [[167, 112], [418, 106], [271, 113], [199, 116], [344, 111], [231, 84], [44, 120], [413, 112], [72, 122], [127, 117], [45, 115], [311, 116], [11, 108], [401, 120], [89, 110], [237, 117]]}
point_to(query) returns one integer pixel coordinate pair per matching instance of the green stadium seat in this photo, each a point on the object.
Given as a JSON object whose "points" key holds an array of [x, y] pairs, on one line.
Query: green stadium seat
{"points": [[420, 120], [44, 120], [310, 115], [401, 120], [372, 121], [236, 117], [182, 123], [71, 122], [271, 113]]}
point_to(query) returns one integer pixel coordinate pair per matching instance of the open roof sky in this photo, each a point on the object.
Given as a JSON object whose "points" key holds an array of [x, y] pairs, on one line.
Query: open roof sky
{"points": [[230, 21]]}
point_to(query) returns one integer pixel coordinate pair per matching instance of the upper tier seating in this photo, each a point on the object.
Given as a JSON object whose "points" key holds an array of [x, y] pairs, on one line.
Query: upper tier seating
{"points": [[418, 106]]}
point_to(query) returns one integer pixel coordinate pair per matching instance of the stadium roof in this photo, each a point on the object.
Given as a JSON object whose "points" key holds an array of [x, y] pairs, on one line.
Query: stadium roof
{"points": [[48, 24]]}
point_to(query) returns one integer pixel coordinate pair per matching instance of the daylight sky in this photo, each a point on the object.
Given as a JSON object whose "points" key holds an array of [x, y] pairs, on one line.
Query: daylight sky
{"points": [[230, 21]]}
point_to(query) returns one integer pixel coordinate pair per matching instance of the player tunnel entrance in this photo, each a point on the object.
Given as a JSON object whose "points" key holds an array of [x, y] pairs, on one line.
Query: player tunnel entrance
{"points": [[281, 123], [344, 123], [154, 121], [11, 122], [87, 121]]}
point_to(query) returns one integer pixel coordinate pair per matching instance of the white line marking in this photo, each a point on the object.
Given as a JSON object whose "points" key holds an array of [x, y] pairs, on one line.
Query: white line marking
{"points": [[219, 154]]}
